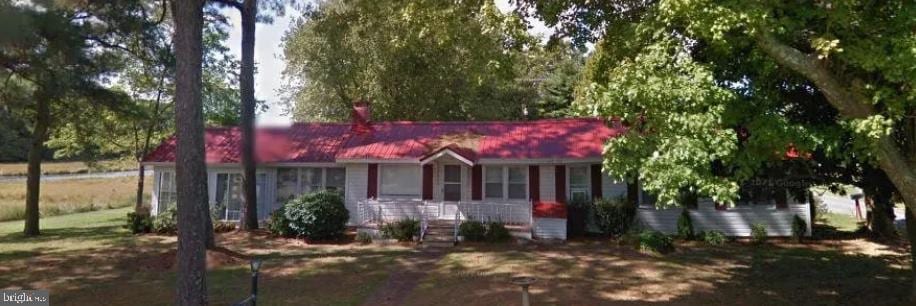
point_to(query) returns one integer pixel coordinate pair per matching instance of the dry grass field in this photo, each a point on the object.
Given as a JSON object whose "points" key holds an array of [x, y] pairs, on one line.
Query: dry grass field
{"points": [[70, 196]]}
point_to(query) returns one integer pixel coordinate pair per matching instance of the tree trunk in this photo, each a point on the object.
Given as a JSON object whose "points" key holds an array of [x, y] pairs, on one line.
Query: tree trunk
{"points": [[911, 234], [33, 182], [246, 84], [190, 169], [852, 105], [138, 206], [881, 219]]}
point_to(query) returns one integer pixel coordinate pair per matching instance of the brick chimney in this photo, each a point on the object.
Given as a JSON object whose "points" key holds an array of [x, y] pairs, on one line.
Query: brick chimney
{"points": [[361, 117]]}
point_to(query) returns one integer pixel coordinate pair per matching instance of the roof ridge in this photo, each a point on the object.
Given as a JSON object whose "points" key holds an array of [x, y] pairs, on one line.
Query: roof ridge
{"points": [[457, 122]]}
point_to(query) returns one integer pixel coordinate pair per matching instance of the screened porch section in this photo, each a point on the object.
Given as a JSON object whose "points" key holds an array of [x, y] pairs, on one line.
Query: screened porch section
{"points": [[225, 193]]}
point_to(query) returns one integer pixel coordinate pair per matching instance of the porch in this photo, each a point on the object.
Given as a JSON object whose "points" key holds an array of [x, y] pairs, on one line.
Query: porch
{"points": [[516, 216], [378, 211]]}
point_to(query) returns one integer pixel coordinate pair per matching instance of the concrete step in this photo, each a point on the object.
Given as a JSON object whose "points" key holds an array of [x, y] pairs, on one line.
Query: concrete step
{"points": [[438, 238], [444, 231], [437, 244]]}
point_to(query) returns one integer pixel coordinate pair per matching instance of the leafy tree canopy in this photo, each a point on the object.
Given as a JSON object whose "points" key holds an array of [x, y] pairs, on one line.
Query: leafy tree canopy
{"points": [[416, 60], [716, 92]]}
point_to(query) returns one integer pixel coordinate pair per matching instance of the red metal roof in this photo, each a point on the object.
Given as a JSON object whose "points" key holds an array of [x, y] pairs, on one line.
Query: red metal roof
{"points": [[327, 142]]}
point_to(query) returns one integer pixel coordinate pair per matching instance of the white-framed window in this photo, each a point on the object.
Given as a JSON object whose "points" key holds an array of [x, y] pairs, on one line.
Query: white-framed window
{"points": [[517, 183], [287, 184], [229, 196], [493, 182], [579, 183], [758, 195], [335, 179], [646, 198], [168, 196], [292, 182], [506, 182], [399, 180]]}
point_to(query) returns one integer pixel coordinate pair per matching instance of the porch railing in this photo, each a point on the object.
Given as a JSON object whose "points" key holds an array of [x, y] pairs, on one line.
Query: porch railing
{"points": [[391, 210]]}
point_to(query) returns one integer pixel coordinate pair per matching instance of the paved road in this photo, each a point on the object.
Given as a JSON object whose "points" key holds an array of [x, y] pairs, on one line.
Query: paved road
{"points": [[60, 177], [845, 205]]}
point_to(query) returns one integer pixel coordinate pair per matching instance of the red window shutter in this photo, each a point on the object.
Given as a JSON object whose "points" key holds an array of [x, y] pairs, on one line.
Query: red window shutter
{"points": [[427, 182], [596, 181], [560, 175], [534, 183], [477, 183], [372, 184]]}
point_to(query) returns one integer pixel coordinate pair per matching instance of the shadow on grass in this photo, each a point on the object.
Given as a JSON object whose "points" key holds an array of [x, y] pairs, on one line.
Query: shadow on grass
{"points": [[602, 274]]}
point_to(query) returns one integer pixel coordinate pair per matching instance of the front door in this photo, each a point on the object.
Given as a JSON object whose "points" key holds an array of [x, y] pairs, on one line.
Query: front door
{"points": [[451, 183]]}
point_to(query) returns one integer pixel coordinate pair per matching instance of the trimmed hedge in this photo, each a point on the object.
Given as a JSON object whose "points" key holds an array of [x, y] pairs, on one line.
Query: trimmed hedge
{"points": [[759, 233], [140, 223], [472, 230], [402, 230], [497, 232], [317, 215], [614, 216], [278, 225], [167, 221], [714, 237], [655, 241], [685, 226]]}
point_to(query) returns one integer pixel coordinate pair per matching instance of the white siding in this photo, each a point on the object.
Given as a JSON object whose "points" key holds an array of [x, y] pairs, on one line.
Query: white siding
{"points": [[731, 222], [154, 202], [549, 228], [357, 186], [548, 187]]}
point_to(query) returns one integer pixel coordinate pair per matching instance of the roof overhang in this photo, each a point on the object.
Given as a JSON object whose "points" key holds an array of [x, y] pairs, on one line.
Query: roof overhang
{"points": [[445, 152]]}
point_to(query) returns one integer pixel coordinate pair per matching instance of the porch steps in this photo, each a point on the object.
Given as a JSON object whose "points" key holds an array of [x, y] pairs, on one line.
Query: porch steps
{"points": [[439, 234]]}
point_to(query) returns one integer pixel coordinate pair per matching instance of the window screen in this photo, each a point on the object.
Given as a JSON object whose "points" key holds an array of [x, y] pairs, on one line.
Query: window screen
{"points": [[399, 181]]}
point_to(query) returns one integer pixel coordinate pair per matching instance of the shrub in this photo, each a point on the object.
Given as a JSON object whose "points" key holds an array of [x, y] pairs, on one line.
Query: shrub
{"points": [[614, 216], [278, 225], [799, 228], [363, 238], [140, 222], [317, 215], [497, 232], [714, 238], [578, 212], [472, 230], [655, 241], [758, 233], [402, 230], [223, 226], [166, 222], [630, 238], [685, 226]]}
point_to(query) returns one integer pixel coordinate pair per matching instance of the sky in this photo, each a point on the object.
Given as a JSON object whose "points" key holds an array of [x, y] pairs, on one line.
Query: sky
{"points": [[268, 58]]}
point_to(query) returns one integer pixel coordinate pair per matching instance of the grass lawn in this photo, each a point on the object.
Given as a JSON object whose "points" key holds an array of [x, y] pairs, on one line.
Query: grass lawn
{"points": [[85, 258], [68, 167], [842, 222], [70, 196]]}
